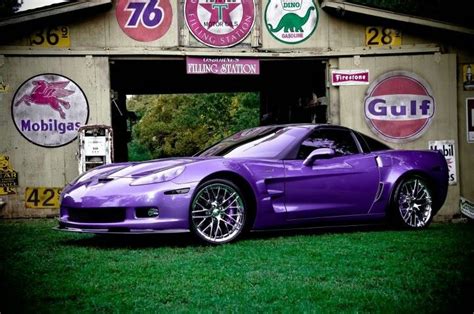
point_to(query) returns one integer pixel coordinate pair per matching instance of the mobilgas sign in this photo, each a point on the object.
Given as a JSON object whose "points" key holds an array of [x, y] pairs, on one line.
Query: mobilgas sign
{"points": [[48, 109], [447, 148], [399, 106]]}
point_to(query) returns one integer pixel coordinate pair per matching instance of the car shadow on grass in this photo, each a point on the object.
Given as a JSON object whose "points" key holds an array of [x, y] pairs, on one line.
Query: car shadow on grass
{"points": [[182, 240], [119, 241]]}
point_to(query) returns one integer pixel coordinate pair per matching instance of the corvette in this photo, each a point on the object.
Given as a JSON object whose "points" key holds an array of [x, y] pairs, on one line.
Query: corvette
{"points": [[269, 177]]}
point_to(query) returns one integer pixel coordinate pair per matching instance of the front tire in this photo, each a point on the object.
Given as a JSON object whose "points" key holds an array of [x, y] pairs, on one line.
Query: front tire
{"points": [[218, 212], [412, 203]]}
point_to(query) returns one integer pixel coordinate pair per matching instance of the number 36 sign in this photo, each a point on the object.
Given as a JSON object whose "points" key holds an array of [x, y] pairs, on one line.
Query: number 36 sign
{"points": [[51, 37], [42, 197]]}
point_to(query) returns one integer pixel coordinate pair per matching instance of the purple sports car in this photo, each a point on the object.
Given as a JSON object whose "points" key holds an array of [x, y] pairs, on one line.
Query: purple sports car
{"points": [[279, 176]]}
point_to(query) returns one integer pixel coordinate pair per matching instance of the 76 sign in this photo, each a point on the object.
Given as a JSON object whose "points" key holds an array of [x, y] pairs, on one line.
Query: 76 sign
{"points": [[149, 14], [144, 20]]}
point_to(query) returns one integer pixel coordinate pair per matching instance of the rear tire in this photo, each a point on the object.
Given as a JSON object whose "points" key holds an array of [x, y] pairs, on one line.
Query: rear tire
{"points": [[218, 212], [412, 203]]}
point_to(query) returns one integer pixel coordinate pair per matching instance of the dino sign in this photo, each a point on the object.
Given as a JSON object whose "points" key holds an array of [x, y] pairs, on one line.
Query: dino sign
{"points": [[291, 21], [46, 93], [48, 109]]}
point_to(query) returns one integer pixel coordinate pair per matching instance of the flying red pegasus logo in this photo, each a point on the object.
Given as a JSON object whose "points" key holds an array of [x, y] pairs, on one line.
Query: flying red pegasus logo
{"points": [[46, 93]]}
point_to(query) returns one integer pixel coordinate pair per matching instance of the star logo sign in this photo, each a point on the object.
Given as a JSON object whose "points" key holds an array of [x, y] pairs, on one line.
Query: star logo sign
{"points": [[220, 12], [219, 23]]}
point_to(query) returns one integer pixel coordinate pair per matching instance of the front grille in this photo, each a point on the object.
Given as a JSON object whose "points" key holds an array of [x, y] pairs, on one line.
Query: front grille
{"points": [[115, 214]]}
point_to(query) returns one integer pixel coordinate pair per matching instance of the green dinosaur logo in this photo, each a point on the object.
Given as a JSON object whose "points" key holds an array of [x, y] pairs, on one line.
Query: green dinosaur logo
{"points": [[291, 27]]}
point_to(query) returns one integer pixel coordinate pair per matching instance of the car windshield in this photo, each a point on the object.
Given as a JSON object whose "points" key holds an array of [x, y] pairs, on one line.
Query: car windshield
{"points": [[261, 142]]}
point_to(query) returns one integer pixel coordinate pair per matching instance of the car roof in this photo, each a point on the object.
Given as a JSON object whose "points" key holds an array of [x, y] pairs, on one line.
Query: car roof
{"points": [[306, 125]]}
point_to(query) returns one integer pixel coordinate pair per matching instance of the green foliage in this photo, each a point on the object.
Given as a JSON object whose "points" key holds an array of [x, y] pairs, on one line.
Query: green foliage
{"points": [[453, 11], [8, 7], [183, 124], [364, 271]]}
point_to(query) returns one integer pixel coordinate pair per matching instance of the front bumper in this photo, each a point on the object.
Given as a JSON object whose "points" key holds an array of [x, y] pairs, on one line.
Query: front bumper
{"points": [[125, 231], [116, 207]]}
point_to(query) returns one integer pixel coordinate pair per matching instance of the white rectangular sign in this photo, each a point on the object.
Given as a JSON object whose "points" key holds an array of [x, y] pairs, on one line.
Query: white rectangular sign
{"points": [[349, 77], [466, 207], [470, 119], [447, 148]]}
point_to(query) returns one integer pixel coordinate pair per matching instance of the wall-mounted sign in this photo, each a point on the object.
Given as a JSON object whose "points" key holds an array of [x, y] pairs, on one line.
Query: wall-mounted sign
{"points": [[382, 36], [42, 197], [470, 119], [4, 87], [291, 21], [144, 20], [466, 207], [48, 109], [222, 66], [399, 106], [8, 176], [51, 37], [447, 149], [349, 77], [468, 78], [219, 23]]}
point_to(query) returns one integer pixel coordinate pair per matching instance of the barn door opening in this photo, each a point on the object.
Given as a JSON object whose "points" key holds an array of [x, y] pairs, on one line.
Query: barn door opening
{"points": [[288, 91]]}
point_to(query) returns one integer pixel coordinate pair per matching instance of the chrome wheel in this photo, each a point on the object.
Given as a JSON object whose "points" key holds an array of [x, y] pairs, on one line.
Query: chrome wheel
{"points": [[414, 203], [218, 212]]}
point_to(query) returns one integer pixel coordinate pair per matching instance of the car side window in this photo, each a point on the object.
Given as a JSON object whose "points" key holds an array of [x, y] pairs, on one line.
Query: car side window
{"points": [[340, 140]]}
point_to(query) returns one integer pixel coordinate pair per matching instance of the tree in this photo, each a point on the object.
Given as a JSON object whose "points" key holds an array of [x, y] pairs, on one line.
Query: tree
{"points": [[453, 11], [181, 125], [8, 7]]}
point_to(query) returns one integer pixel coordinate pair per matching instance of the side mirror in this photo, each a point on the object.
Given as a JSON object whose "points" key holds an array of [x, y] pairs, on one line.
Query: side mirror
{"points": [[318, 153]]}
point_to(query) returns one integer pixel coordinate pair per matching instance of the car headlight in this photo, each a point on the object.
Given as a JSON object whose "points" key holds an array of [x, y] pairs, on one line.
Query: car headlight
{"points": [[162, 176]]}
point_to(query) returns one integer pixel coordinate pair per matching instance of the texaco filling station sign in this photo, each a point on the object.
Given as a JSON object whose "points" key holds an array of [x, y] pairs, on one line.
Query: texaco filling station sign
{"points": [[48, 109], [219, 23], [399, 106]]}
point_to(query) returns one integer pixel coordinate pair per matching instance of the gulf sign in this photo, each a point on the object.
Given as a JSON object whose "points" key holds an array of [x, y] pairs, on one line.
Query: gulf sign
{"points": [[399, 106]]}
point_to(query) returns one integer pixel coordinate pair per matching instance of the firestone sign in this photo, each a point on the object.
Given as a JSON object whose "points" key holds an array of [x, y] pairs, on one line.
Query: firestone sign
{"points": [[219, 23], [349, 77], [48, 109], [291, 21], [399, 106]]}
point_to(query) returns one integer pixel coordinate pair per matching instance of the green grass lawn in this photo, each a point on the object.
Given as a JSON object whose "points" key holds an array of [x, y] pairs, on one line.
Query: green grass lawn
{"points": [[356, 270]]}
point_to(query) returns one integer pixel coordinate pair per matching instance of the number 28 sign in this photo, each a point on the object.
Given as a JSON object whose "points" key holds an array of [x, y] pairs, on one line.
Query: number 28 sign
{"points": [[382, 36], [144, 20]]}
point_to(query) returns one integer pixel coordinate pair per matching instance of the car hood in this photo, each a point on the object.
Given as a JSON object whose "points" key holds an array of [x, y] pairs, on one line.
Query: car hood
{"points": [[140, 169]]}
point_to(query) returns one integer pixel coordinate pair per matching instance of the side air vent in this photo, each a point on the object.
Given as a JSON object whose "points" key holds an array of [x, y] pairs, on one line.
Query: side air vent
{"points": [[379, 192]]}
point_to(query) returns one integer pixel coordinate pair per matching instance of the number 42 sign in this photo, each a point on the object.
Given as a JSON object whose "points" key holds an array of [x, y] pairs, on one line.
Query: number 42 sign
{"points": [[42, 197]]}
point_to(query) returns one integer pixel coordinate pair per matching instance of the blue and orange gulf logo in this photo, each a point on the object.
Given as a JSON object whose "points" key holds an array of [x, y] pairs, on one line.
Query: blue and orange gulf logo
{"points": [[146, 20], [219, 23], [399, 106], [291, 21]]}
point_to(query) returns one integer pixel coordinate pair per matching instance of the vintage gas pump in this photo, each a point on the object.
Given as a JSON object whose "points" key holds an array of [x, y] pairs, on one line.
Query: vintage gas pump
{"points": [[95, 146]]}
